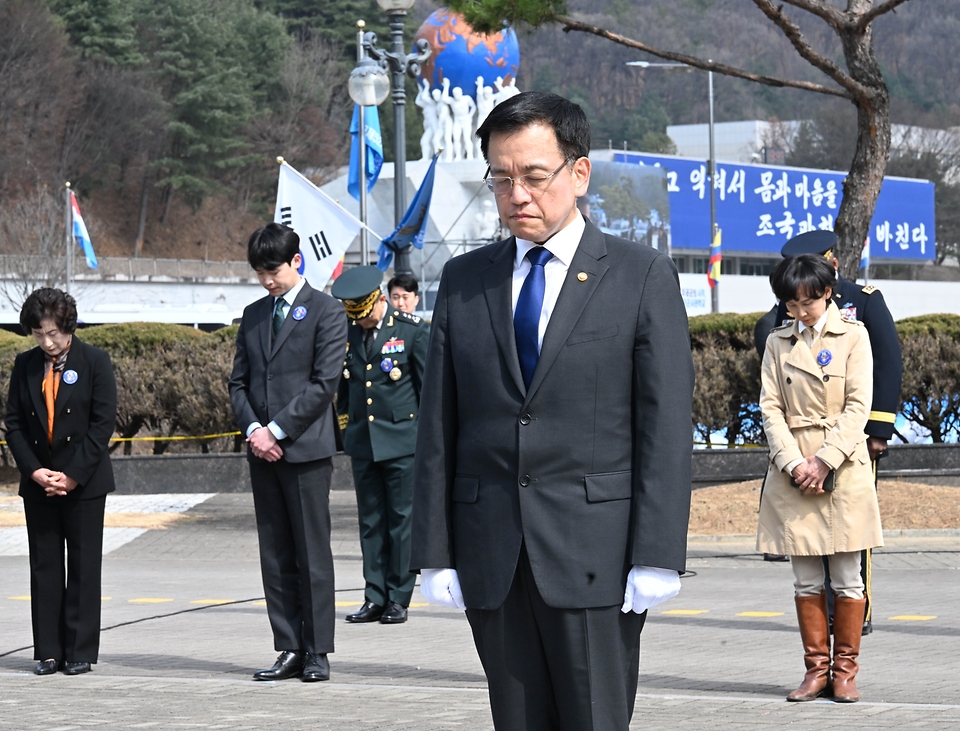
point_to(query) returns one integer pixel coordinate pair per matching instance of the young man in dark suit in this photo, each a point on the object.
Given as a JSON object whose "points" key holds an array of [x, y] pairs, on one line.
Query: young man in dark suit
{"points": [[289, 352], [552, 475]]}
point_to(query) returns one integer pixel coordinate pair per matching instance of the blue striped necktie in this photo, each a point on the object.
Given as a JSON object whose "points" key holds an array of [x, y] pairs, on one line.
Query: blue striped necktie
{"points": [[526, 318]]}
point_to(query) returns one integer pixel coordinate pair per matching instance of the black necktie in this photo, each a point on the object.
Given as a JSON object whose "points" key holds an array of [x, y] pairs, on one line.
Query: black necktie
{"points": [[368, 337]]}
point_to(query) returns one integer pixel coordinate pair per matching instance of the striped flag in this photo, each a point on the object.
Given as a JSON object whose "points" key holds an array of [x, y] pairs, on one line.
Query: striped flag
{"points": [[80, 233], [716, 257]]}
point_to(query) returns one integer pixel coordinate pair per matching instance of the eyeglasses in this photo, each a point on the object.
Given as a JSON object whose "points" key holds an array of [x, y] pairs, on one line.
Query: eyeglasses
{"points": [[532, 182]]}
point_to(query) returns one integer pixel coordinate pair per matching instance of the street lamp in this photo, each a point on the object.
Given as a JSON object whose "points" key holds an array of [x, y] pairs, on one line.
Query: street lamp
{"points": [[368, 86], [399, 64], [712, 165]]}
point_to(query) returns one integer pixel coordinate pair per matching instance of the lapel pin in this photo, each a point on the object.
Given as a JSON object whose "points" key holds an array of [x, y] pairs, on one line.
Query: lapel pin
{"points": [[70, 377], [582, 276], [824, 357], [299, 312]]}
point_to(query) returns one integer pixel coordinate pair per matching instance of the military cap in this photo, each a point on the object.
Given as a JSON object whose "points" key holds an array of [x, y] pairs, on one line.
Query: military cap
{"points": [[811, 242], [359, 288]]}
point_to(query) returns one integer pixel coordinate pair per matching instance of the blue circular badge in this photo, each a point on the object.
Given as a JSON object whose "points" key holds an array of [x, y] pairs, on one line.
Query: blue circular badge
{"points": [[385, 365], [70, 377], [824, 357], [299, 312]]}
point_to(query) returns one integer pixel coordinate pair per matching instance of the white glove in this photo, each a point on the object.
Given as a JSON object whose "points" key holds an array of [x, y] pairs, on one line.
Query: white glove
{"points": [[647, 587], [442, 586]]}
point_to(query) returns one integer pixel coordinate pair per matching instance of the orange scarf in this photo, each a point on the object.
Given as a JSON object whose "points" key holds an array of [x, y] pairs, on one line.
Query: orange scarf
{"points": [[51, 386]]}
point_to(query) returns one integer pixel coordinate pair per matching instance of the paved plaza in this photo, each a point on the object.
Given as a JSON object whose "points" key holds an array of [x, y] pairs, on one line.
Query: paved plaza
{"points": [[185, 626]]}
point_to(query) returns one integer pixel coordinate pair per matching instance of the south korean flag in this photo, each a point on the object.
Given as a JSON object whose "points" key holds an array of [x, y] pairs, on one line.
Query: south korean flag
{"points": [[326, 230]]}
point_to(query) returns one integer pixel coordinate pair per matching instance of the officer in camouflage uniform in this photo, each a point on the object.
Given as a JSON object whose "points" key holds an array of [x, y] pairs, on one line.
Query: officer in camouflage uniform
{"points": [[378, 403], [865, 304]]}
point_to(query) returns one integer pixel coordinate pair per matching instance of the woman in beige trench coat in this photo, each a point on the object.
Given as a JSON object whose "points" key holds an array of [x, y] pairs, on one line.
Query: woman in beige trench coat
{"points": [[819, 497]]}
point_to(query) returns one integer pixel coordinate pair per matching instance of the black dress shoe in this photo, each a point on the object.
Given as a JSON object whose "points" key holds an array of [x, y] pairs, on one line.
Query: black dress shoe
{"points": [[369, 612], [76, 668], [288, 665], [393, 614], [315, 667], [46, 667], [867, 627], [775, 557]]}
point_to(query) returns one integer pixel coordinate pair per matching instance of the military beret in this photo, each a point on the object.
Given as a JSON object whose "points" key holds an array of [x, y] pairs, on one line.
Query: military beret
{"points": [[359, 288], [811, 242]]}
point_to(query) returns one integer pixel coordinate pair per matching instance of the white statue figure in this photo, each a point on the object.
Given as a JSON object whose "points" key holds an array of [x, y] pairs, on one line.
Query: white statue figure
{"points": [[504, 91], [487, 222], [462, 108], [428, 105], [444, 121], [484, 107]]}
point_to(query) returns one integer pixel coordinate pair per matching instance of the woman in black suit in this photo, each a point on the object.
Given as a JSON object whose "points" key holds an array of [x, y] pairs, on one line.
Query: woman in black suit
{"points": [[61, 414]]}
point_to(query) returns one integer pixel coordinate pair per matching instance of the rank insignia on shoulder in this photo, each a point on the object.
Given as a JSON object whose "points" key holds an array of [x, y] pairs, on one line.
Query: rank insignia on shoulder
{"points": [[407, 317], [787, 321], [869, 289]]}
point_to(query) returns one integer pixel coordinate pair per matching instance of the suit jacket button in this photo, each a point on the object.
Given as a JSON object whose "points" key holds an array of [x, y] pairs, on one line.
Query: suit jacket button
{"points": [[370, 418], [525, 419], [525, 480], [369, 384], [826, 378], [789, 380], [68, 411], [269, 376], [369, 401], [369, 367]]}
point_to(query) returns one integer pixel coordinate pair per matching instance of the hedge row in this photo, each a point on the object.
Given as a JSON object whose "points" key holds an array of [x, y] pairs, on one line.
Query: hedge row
{"points": [[728, 376], [172, 380]]}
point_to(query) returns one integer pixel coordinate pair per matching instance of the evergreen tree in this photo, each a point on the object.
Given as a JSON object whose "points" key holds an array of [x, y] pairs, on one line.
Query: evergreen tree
{"points": [[217, 63], [103, 30]]}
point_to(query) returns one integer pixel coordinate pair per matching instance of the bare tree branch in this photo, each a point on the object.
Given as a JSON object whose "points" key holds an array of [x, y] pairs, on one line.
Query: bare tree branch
{"points": [[570, 24], [833, 17], [792, 31], [882, 8]]}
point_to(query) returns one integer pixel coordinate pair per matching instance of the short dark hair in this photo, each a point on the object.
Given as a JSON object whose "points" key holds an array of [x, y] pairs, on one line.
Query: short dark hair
{"points": [[568, 121], [404, 281], [805, 275], [272, 246], [48, 302]]}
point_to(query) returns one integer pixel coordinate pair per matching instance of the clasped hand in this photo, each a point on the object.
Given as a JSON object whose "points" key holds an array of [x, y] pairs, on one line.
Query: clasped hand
{"points": [[264, 445], [810, 475], [53, 483]]}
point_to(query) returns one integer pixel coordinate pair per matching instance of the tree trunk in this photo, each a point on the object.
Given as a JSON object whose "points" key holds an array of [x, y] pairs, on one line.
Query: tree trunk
{"points": [[861, 187], [142, 223]]}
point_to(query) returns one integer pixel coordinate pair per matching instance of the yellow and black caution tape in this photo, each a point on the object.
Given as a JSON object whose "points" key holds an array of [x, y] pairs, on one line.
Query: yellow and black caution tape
{"points": [[175, 438]]}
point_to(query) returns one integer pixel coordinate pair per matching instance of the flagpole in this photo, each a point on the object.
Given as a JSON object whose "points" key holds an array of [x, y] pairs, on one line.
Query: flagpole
{"points": [[69, 228], [362, 145]]}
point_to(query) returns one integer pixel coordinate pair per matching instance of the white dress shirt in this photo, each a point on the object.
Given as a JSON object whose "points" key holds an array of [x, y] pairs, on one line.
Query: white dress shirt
{"points": [[289, 297], [563, 245]]}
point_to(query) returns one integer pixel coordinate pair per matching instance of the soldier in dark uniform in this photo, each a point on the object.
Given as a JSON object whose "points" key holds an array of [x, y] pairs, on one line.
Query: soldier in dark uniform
{"points": [[378, 403], [865, 304]]}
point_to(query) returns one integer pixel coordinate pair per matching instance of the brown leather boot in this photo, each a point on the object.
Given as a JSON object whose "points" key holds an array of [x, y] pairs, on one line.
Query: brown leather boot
{"points": [[815, 635], [847, 631]]}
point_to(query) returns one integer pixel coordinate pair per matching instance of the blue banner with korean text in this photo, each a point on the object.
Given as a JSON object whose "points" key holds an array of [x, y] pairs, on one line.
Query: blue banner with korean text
{"points": [[760, 207]]}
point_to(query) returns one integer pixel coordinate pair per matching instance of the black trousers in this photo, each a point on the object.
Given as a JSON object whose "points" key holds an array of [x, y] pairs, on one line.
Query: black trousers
{"points": [[384, 505], [554, 669], [292, 505], [65, 599]]}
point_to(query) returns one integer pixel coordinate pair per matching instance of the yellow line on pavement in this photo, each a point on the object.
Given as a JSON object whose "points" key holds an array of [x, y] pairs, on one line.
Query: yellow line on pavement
{"points": [[259, 604], [345, 604], [148, 600], [760, 614], [913, 617], [19, 598], [685, 611]]}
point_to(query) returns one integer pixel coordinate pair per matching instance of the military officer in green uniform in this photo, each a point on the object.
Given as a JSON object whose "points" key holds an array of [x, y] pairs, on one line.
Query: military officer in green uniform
{"points": [[378, 403]]}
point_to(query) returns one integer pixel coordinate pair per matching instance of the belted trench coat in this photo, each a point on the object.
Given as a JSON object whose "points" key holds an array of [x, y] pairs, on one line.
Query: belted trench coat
{"points": [[817, 402]]}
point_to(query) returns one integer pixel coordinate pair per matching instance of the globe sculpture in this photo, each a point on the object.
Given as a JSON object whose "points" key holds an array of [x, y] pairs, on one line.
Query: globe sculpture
{"points": [[461, 54]]}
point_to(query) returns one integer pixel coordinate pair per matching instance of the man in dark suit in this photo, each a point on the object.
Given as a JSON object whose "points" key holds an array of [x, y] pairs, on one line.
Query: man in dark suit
{"points": [[378, 403], [552, 472], [289, 352], [865, 304]]}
